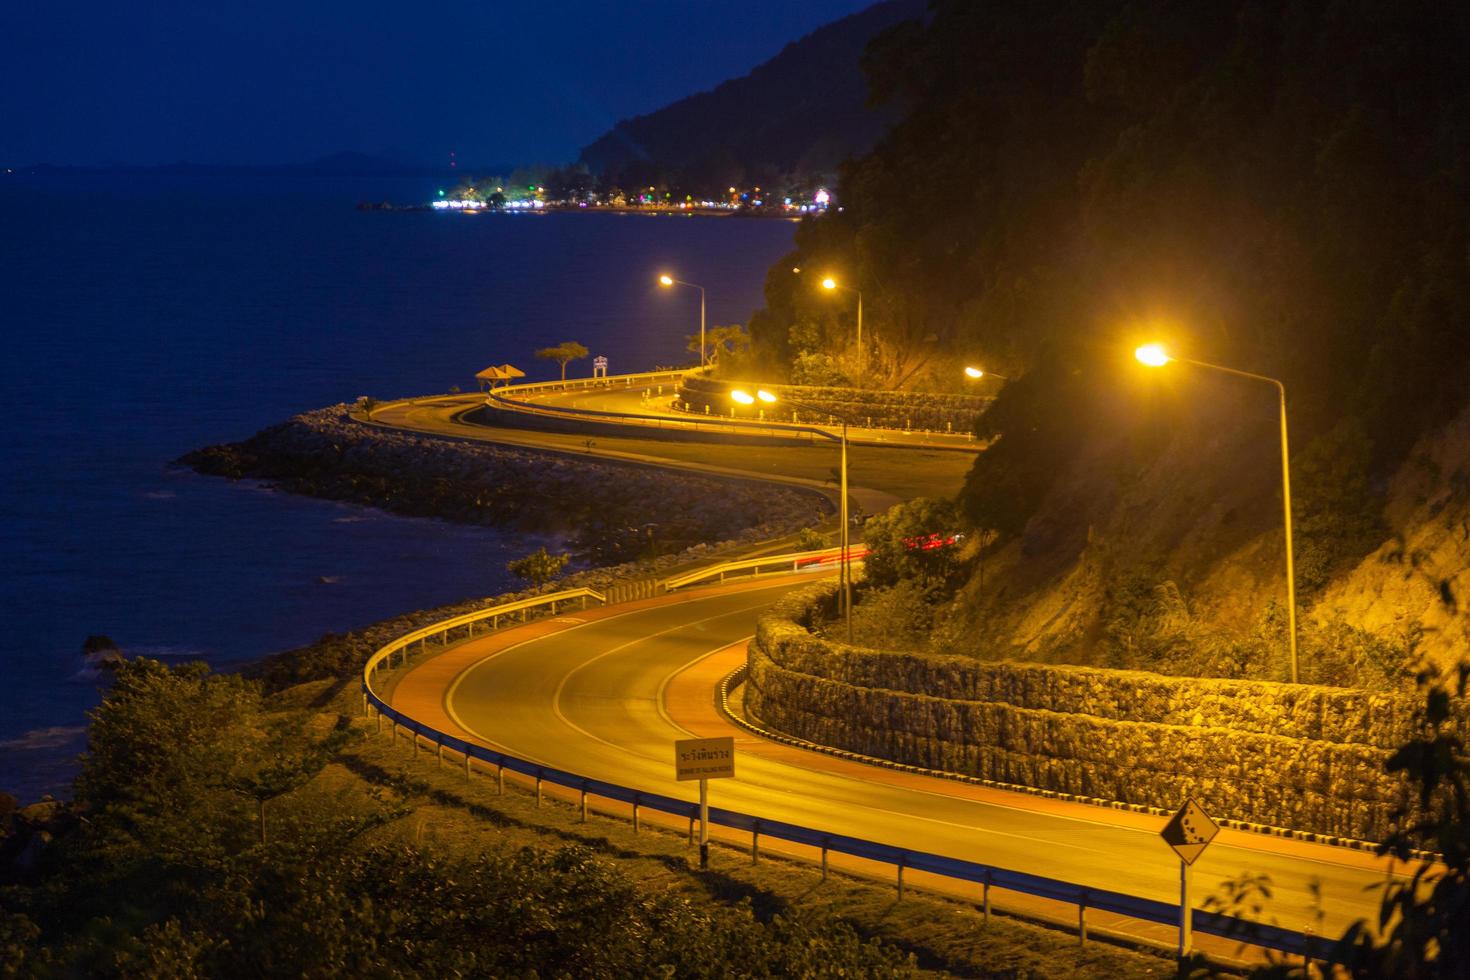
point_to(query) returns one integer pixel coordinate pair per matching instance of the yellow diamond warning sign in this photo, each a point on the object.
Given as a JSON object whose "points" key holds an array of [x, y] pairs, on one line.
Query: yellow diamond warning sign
{"points": [[1190, 831]]}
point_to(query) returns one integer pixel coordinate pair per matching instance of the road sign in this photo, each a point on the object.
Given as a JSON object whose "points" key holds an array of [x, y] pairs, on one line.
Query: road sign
{"points": [[704, 758], [1190, 831]]}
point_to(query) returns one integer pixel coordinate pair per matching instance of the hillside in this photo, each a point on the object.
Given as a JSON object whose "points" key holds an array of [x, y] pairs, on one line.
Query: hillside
{"points": [[1275, 187], [803, 112]]}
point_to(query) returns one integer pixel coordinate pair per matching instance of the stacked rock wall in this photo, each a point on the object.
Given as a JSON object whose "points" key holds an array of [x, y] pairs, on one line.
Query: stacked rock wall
{"points": [[926, 411], [1309, 758]]}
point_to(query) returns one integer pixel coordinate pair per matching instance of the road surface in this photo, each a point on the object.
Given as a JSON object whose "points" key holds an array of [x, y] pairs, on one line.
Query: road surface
{"points": [[588, 693]]}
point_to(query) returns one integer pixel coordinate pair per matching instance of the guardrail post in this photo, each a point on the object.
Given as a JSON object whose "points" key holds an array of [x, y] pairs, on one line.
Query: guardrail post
{"points": [[364, 703], [413, 737], [467, 765], [499, 780], [824, 859], [1082, 919], [755, 842], [691, 829], [900, 879], [635, 814], [584, 804], [438, 755], [378, 715], [985, 897], [538, 791]]}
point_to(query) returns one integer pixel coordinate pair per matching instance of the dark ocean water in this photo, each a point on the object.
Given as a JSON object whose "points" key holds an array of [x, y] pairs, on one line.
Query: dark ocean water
{"points": [[144, 317]]}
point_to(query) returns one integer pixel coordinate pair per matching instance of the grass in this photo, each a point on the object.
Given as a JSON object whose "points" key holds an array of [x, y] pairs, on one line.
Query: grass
{"points": [[441, 810]]}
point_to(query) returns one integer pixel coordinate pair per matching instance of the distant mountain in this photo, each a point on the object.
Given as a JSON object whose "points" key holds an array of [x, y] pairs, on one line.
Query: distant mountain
{"points": [[342, 164], [802, 112]]}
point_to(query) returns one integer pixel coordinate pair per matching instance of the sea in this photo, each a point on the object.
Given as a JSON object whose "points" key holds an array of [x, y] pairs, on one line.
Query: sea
{"points": [[147, 316]]}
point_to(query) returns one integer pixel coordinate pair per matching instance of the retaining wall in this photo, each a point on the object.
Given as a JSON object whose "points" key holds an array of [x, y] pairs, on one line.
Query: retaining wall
{"points": [[926, 411], [1298, 756]]}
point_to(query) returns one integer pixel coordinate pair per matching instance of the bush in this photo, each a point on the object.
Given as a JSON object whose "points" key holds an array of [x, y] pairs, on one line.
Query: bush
{"points": [[539, 567], [916, 542]]}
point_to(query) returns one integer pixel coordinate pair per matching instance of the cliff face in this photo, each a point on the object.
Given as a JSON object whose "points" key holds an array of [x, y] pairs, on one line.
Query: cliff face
{"points": [[1417, 583], [1179, 567]]}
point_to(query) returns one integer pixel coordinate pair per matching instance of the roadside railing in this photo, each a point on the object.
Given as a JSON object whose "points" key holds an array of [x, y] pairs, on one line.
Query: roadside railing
{"points": [[824, 559], [518, 610], [902, 859]]}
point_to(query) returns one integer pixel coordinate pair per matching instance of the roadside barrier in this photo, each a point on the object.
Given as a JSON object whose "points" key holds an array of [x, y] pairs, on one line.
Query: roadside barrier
{"points": [[824, 559], [902, 859]]}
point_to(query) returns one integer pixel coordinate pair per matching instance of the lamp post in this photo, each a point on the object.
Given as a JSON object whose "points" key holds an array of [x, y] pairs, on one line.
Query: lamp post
{"points": [[845, 562], [830, 284], [1154, 355], [667, 280]]}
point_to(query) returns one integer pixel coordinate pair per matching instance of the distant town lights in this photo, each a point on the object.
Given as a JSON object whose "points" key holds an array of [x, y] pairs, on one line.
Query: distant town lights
{"points": [[822, 197]]}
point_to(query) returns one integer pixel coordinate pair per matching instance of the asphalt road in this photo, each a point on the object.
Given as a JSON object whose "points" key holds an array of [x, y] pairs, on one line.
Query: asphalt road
{"points": [[589, 699]]}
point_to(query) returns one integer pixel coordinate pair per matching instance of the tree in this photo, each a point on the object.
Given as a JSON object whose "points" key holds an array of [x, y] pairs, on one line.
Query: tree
{"points": [[720, 341], [539, 567], [563, 354], [1421, 921], [917, 541]]}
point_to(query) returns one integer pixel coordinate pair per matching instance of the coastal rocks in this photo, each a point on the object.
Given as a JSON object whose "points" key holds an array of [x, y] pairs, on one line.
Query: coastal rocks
{"points": [[615, 511], [1309, 758]]}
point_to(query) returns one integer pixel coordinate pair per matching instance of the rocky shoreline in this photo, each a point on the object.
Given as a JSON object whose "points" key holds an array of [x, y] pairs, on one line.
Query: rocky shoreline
{"points": [[613, 511]]}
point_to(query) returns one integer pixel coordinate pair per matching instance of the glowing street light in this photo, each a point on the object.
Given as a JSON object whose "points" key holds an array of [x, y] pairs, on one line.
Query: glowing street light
{"points": [[978, 373], [1154, 355], [668, 280], [831, 285], [845, 564]]}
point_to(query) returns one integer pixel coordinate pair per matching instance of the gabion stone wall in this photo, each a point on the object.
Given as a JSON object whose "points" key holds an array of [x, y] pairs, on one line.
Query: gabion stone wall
{"points": [[927, 411], [1296, 756]]}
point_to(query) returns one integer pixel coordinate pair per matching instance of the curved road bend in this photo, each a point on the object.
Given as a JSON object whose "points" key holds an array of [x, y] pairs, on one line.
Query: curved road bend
{"points": [[441, 416], [585, 693]]}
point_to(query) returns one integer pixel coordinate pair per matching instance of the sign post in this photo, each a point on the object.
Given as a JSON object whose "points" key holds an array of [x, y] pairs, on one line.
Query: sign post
{"points": [[704, 759], [1189, 832]]}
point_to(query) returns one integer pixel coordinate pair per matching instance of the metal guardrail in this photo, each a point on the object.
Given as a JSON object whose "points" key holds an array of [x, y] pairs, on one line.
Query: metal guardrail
{"points": [[468, 621], [988, 876], [796, 560]]}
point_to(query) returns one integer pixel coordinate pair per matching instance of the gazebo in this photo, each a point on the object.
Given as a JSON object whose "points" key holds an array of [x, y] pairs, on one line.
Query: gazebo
{"points": [[493, 375]]}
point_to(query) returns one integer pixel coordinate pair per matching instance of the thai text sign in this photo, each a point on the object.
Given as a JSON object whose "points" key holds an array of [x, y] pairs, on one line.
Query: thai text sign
{"points": [[704, 758]]}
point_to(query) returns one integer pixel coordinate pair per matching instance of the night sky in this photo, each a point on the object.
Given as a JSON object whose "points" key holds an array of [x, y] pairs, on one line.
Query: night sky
{"points": [[287, 81]]}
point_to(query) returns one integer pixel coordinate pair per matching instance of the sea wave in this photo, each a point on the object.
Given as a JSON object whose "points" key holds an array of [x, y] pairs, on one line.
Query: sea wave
{"points": [[45, 739]]}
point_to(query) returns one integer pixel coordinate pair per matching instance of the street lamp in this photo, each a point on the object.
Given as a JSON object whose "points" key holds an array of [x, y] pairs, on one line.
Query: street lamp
{"points": [[978, 373], [830, 285], [668, 280], [1154, 355], [845, 563]]}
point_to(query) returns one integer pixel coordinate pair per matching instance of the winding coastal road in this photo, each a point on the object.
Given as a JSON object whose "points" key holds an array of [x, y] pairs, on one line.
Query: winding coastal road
{"points": [[605, 692]]}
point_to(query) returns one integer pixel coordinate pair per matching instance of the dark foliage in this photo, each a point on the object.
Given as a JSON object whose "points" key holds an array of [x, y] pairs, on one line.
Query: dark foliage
{"points": [[170, 874], [1276, 186]]}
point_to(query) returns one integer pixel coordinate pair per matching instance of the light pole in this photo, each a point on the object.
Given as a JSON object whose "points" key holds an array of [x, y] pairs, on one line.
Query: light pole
{"points": [[830, 284], [845, 562], [1154, 355], [667, 280]]}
